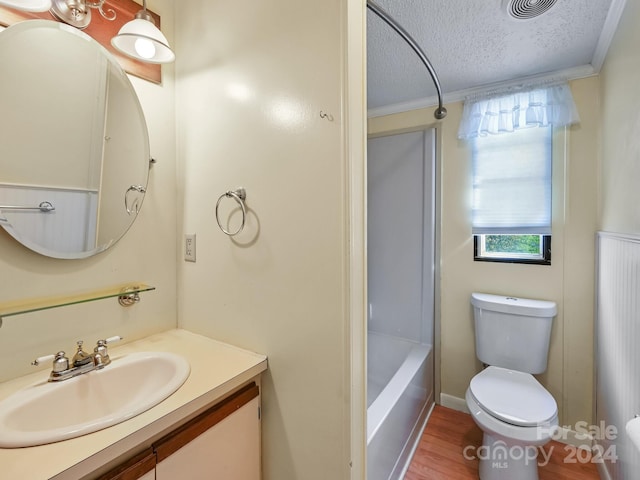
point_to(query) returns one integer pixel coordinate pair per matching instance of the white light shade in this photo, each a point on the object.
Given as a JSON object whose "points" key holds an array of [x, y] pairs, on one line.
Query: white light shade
{"points": [[27, 5], [142, 40]]}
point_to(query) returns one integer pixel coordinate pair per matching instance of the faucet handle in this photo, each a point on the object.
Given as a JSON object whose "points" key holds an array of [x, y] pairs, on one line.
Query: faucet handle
{"points": [[44, 358], [100, 352], [103, 343], [60, 361]]}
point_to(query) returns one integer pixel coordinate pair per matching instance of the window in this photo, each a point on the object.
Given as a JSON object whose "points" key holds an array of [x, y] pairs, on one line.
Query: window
{"points": [[512, 196], [513, 248]]}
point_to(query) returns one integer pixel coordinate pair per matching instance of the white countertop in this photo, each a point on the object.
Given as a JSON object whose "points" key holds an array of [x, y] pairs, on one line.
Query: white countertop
{"points": [[216, 369]]}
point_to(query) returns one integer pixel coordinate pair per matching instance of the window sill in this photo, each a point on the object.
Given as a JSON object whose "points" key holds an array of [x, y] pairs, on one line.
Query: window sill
{"points": [[526, 261]]}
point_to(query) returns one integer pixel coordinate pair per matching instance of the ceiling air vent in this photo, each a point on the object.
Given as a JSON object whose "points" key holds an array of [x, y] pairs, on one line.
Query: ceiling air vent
{"points": [[527, 9]]}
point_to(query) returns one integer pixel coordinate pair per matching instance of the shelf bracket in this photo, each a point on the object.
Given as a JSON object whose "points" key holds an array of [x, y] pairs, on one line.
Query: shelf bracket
{"points": [[130, 296]]}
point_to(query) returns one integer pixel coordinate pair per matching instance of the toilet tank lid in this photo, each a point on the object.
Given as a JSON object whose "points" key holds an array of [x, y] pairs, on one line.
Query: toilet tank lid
{"points": [[514, 305]]}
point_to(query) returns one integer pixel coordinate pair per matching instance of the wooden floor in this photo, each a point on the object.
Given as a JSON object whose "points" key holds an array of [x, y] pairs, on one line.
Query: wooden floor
{"points": [[440, 454]]}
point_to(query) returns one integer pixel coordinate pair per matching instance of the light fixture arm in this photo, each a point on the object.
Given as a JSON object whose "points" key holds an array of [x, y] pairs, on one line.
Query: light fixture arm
{"points": [[110, 14], [77, 13], [440, 112], [144, 14]]}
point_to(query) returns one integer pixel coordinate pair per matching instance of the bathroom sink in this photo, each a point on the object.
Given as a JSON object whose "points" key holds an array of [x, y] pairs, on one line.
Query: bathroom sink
{"points": [[47, 412]]}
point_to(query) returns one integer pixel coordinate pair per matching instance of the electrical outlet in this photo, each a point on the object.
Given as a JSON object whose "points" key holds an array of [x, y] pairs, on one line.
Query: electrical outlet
{"points": [[190, 247]]}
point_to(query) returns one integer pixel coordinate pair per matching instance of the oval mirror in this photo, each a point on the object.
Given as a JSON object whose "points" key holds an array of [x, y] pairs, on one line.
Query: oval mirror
{"points": [[74, 146]]}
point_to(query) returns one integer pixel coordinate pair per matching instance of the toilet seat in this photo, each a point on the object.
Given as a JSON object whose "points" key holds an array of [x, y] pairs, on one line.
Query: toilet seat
{"points": [[514, 397]]}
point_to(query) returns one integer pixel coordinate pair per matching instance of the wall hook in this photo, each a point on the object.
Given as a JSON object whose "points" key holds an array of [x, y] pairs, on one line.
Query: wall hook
{"points": [[327, 116]]}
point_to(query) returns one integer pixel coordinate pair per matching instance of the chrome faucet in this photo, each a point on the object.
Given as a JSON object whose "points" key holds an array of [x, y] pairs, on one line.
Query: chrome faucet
{"points": [[81, 362]]}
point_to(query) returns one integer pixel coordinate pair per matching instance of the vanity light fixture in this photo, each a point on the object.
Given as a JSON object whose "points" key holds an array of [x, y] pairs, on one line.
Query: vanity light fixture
{"points": [[77, 13], [141, 39], [27, 5]]}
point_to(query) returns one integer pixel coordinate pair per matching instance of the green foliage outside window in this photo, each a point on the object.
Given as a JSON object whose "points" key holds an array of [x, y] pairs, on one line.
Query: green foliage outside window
{"points": [[513, 243]]}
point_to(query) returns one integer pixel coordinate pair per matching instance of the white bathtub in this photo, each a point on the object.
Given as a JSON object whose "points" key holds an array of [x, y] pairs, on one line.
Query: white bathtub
{"points": [[399, 398]]}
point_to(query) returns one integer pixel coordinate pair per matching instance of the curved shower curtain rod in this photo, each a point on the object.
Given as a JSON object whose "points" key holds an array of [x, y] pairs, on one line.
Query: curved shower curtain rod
{"points": [[440, 112]]}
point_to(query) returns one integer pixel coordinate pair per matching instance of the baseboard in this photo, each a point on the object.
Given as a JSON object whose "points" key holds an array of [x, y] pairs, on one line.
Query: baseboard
{"points": [[455, 403], [571, 437]]}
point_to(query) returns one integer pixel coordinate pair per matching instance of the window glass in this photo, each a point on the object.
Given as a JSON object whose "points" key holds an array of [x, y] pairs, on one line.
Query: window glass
{"points": [[512, 196]]}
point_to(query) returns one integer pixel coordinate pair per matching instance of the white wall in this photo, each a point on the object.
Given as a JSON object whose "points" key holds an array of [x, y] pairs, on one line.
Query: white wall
{"points": [[147, 253], [620, 169], [252, 80], [619, 199]]}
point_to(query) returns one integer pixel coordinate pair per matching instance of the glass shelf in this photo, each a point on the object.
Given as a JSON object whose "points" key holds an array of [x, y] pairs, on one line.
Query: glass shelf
{"points": [[18, 307]]}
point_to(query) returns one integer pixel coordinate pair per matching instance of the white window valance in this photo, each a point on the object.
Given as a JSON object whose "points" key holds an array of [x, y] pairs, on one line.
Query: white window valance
{"points": [[506, 111]]}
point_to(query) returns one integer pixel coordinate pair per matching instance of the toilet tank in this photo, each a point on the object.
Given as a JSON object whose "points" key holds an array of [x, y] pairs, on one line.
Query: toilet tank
{"points": [[511, 332]]}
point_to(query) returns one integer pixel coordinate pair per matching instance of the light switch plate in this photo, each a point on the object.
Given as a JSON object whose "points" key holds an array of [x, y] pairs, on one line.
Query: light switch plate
{"points": [[190, 247]]}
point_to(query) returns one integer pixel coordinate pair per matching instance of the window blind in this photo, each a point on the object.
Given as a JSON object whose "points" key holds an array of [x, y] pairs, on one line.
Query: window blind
{"points": [[512, 182]]}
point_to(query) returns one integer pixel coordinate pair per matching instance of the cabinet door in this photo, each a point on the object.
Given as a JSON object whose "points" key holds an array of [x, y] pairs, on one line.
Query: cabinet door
{"points": [[223, 443]]}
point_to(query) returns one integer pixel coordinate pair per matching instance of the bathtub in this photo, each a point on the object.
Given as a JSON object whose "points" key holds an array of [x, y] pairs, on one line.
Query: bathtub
{"points": [[399, 398]]}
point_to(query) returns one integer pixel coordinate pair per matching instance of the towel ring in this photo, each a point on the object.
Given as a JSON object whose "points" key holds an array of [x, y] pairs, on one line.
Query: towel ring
{"points": [[239, 195]]}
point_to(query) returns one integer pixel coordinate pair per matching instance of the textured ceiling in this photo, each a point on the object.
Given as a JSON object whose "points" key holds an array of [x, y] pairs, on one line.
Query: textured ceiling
{"points": [[475, 43]]}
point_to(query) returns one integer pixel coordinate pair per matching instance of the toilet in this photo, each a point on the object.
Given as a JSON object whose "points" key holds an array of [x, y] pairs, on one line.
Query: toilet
{"points": [[515, 412]]}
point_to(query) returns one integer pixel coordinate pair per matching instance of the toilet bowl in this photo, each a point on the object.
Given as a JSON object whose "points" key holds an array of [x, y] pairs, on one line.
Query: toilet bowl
{"points": [[516, 414]]}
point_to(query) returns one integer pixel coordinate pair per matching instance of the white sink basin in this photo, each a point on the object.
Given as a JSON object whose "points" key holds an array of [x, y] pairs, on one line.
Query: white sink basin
{"points": [[49, 412]]}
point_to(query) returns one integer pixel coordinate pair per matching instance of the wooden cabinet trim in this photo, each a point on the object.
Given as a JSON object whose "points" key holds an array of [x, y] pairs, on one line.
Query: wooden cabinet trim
{"points": [[203, 422], [133, 468]]}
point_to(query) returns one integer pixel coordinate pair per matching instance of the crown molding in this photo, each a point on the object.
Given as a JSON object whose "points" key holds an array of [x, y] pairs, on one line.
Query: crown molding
{"points": [[574, 73], [608, 31]]}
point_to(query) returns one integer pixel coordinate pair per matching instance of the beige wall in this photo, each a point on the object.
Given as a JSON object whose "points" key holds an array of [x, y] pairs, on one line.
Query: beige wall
{"points": [[620, 169], [147, 253], [568, 281], [252, 80]]}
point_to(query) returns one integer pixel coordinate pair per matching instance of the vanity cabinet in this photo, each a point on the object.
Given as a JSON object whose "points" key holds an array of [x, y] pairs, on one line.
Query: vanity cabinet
{"points": [[221, 394], [222, 442]]}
